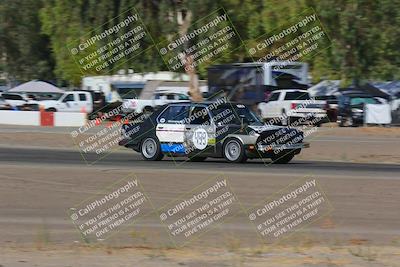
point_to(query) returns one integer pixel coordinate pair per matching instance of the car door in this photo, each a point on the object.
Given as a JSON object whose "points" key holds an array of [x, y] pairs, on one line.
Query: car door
{"points": [[200, 131], [273, 105], [170, 128], [69, 103], [85, 103]]}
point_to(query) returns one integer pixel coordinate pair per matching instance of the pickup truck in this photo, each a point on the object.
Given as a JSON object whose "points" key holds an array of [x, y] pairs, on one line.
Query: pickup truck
{"points": [[290, 105], [73, 101], [149, 105]]}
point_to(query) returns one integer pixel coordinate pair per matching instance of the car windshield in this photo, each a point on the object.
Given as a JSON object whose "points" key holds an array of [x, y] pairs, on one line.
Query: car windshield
{"points": [[234, 114], [362, 100], [298, 95], [49, 96], [247, 115]]}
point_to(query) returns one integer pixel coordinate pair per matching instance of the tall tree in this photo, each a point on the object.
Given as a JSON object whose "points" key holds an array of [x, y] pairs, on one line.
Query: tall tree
{"points": [[24, 52]]}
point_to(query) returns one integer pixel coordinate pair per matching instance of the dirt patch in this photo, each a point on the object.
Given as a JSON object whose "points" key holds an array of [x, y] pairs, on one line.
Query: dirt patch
{"points": [[357, 255]]}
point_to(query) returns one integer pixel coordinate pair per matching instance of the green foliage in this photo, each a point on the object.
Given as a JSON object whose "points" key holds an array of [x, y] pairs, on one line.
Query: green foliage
{"points": [[364, 34], [24, 52]]}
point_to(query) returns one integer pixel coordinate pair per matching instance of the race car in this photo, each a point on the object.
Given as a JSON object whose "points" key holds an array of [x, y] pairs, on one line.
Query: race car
{"points": [[210, 129]]}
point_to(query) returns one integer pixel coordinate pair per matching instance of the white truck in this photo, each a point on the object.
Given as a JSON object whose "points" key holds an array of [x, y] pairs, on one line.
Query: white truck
{"points": [[148, 105], [286, 106], [72, 101]]}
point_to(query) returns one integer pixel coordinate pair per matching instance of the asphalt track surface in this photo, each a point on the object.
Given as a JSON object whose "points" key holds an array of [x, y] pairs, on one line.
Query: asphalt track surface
{"points": [[38, 186], [128, 159]]}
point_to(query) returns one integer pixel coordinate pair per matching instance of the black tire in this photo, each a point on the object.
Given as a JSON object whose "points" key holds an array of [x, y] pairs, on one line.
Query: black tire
{"points": [[283, 159], [150, 149], [51, 110], [234, 151], [197, 159]]}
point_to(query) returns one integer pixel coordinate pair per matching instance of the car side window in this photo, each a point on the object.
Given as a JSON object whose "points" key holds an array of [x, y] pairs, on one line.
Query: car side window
{"points": [[82, 97], [69, 97], [199, 115], [183, 97], [13, 97], [174, 114], [274, 97]]}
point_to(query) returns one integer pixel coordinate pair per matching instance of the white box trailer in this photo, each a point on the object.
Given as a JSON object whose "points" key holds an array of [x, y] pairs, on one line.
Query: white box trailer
{"points": [[131, 86]]}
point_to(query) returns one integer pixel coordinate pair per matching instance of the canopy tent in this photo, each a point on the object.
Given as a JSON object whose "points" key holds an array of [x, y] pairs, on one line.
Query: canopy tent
{"points": [[325, 88], [374, 91], [36, 87], [390, 88]]}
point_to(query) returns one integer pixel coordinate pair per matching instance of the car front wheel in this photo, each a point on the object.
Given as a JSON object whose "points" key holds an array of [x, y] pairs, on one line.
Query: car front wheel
{"points": [[151, 149], [234, 151]]}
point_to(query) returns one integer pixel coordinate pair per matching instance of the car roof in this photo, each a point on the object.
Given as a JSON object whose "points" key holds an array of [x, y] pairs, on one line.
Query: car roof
{"points": [[291, 90]]}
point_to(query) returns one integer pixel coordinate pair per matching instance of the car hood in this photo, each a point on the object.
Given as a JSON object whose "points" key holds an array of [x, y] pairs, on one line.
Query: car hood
{"points": [[265, 127]]}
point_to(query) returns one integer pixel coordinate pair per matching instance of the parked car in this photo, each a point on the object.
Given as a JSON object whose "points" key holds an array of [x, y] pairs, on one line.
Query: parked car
{"points": [[4, 105], [15, 100], [351, 107], [330, 106], [21, 101], [291, 105], [149, 105], [73, 101], [201, 130]]}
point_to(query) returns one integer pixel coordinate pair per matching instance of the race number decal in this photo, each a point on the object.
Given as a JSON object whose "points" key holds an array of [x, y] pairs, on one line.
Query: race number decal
{"points": [[200, 138]]}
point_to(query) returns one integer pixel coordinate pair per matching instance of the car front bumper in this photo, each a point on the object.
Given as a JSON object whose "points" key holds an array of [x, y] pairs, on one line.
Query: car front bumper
{"points": [[270, 148]]}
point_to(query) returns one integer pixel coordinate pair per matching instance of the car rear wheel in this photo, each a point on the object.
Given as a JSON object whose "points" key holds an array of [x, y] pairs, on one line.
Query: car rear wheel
{"points": [[234, 151], [283, 159], [151, 149]]}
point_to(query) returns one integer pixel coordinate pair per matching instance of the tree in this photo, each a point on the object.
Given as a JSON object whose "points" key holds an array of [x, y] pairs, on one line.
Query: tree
{"points": [[24, 52]]}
